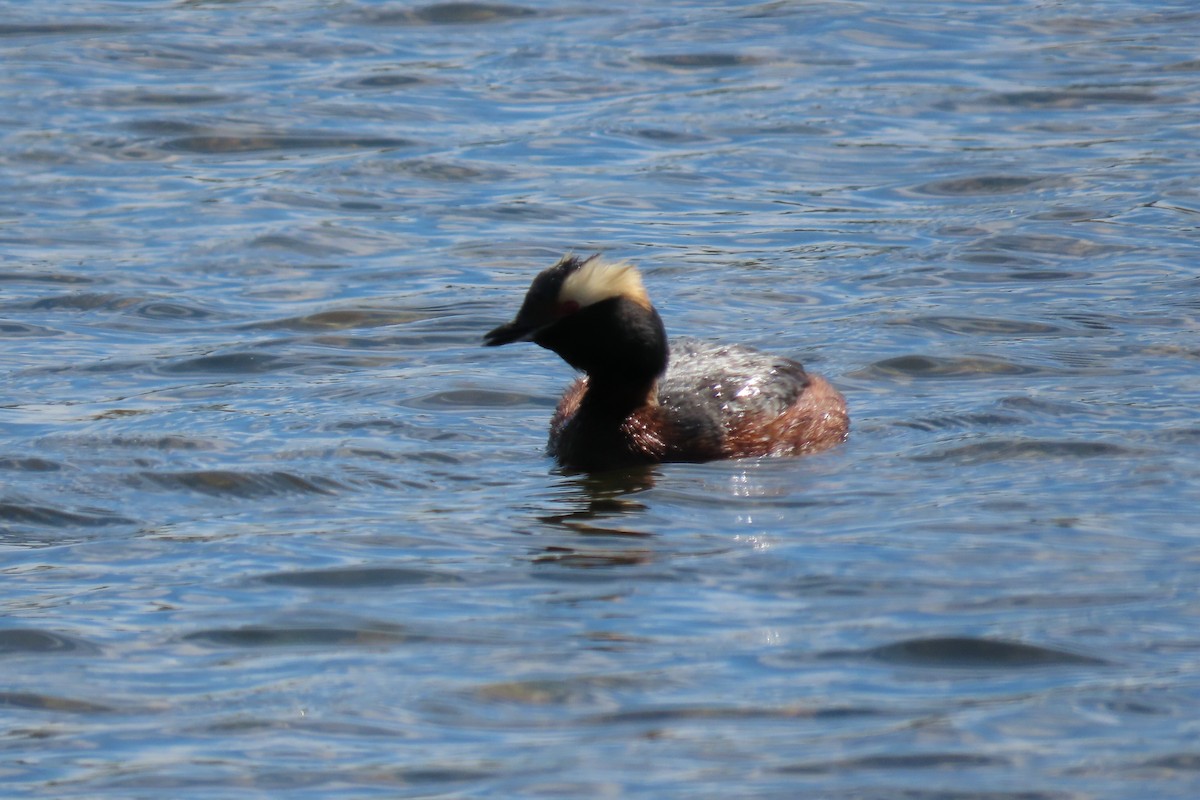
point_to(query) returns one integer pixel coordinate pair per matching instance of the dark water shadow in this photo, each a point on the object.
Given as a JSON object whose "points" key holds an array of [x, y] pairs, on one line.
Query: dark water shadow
{"points": [[231, 144], [10, 329], [32, 514], [243, 363], [32, 701], [50, 276], [362, 578], [1039, 99], [343, 319], [973, 653], [921, 761], [472, 398], [29, 464], [696, 61], [28, 641], [62, 29], [236, 484], [255, 637], [663, 715], [382, 81], [938, 367], [1034, 449], [980, 326], [464, 13], [980, 185]]}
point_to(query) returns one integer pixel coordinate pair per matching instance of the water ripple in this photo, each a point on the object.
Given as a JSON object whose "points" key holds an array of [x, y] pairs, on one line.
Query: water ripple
{"points": [[1071, 98], [18, 641], [245, 363], [690, 61], [235, 483], [926, 367], [976, 326], [449, 14], [215, 144], [43, 702], [13, 329], [976, 653], [362, 578], [345, 319], [981, 185], [1038, 450], [261, 636], [47, 516], [923, 761]]}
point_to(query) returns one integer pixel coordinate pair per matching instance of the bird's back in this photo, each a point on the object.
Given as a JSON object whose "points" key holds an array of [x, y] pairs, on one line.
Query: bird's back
{"points": [[724, 383]]}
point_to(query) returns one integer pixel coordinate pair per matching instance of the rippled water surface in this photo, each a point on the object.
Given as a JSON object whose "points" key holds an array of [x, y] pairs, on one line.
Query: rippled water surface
{"points": [[274, 524]]}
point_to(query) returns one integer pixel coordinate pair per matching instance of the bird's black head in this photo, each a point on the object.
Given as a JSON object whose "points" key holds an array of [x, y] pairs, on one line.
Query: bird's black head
{"points": [[544, 304], [596, 315]]}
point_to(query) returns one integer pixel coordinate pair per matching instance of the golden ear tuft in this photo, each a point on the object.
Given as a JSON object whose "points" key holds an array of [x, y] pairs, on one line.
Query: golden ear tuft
{"points": [[597, 279]]}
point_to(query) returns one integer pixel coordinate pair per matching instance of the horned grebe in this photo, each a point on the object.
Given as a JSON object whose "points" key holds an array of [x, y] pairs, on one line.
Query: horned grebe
{"points": [[641, 403]]}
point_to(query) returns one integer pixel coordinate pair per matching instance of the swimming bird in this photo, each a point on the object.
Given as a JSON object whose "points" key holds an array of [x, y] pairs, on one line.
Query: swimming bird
{"points": [[642, 400]]}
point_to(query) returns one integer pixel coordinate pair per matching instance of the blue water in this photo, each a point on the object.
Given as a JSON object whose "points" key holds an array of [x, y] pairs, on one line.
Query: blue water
{"points": [[273, 523]]}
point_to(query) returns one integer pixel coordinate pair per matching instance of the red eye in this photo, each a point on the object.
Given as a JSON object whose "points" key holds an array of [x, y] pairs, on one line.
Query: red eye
{"points": [[567, 307]]}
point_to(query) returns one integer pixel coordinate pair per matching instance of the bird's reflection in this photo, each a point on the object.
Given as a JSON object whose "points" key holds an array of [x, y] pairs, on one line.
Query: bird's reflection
{"points": [[611, 523], [600, 506]]}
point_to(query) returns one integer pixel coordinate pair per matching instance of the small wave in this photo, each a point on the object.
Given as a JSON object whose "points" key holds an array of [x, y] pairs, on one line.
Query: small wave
{"points": [[701, 712], [961, 421], [440, 171], [361, 578], [170, 310], [344, 319], [450, 14], [43, 277], [216, 144], [1071, 98], [45, 702], [1176, 762], [56, 518], [244, 363], [472, 398], [264, 636], [702, 60], [966, 651], [16, 641], [1043, 244], [230, 483], [1019, 270], [85, 301], [921, 366], [146, 97], [383, 80], [29, 464], [1036, 449], [980, 185], [63, 29], [986, 326], [924, 761], [11, 329]]}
